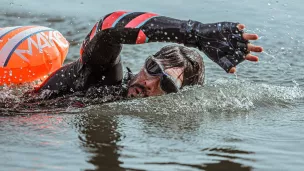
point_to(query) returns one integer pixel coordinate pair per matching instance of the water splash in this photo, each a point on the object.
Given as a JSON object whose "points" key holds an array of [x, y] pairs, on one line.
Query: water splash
{"points": [[222, 96]]}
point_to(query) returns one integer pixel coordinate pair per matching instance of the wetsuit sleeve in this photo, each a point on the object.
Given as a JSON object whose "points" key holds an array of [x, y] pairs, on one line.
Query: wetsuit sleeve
{"points": [[222, 42]]}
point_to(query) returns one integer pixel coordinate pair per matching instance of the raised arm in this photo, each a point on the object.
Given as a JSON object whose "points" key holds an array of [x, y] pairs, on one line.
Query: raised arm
{"points": [[222, 42]]}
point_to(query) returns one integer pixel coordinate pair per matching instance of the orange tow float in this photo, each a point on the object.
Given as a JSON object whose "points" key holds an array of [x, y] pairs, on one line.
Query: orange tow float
{"points": [[29, 53]]}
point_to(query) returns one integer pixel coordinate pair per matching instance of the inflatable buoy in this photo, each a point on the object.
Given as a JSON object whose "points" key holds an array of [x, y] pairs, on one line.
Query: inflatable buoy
{"points": [[29, 53]]}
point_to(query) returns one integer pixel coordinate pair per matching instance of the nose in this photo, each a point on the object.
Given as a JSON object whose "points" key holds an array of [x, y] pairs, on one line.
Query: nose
{"points": [[151, 83]]}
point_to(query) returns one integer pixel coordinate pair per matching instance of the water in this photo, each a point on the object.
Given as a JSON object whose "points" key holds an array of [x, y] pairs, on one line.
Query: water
{"points": [[250, 121]]}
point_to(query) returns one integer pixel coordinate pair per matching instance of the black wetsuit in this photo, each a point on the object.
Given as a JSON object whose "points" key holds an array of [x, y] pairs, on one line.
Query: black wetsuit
{"points": [[100, 65]]}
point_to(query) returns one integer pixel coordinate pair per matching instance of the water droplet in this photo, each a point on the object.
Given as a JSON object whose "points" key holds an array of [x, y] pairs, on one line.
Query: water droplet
{"points": [[10, 73], [165, 33]]}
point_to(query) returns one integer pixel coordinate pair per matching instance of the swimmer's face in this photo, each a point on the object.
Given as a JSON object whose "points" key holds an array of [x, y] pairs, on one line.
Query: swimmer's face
{"points": [[145, 84]]}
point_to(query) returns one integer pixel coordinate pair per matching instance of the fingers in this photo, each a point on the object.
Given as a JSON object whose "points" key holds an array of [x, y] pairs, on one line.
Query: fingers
{"points": [[254, 48], [232, 70], [252, 58], [248, 36], [250, 47], [240, 26]]}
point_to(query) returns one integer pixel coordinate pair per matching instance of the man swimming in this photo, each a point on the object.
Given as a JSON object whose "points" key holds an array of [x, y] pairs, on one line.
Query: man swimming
{"points": [[99, 67]]}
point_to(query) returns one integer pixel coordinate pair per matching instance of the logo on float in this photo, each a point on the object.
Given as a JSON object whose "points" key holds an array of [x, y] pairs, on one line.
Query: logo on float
{"points": [[43, 41]]}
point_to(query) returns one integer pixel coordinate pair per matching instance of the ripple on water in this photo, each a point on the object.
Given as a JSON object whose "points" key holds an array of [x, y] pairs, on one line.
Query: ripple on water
{"points": [[221, 96]]}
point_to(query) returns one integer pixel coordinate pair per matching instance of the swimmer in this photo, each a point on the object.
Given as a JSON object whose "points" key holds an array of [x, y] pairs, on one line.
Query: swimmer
{"points": [[99, 68]]}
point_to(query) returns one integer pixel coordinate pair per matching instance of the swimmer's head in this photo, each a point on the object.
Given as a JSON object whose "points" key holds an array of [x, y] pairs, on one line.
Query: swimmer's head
{"points": [[168, 71]]}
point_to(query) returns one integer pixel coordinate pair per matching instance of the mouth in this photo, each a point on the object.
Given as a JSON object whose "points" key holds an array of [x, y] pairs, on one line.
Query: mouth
{"points": [[137, 90]]}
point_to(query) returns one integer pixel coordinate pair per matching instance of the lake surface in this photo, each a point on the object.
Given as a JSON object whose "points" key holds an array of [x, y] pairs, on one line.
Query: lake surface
{"points": [[253, 120]]}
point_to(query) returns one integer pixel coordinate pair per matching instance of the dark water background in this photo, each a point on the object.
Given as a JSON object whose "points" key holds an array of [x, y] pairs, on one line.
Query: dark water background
{"points": [[250, 121]]}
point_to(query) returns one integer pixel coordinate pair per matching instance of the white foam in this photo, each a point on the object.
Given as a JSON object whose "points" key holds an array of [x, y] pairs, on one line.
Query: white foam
{"points": [[220, 96]]}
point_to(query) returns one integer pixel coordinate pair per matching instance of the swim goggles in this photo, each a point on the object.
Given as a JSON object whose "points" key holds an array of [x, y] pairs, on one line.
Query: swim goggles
{"points": [[167, 83]]}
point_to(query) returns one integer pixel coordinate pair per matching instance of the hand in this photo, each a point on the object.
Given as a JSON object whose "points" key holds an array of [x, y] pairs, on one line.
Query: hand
{"points": [[226, 44], [250, 47]]}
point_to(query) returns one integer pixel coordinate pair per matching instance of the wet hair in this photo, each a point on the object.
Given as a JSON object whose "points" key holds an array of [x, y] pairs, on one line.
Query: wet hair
{"points": [[180, 56]]}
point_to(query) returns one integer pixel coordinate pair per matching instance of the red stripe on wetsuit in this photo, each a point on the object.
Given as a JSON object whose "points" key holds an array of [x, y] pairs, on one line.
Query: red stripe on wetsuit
{"points": [[110, 20], [137, 21]]}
